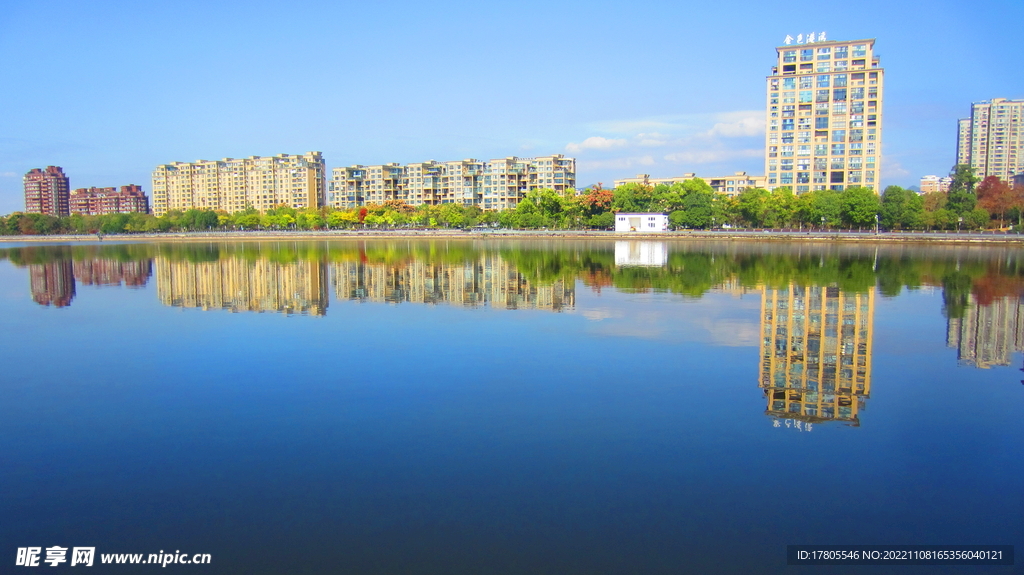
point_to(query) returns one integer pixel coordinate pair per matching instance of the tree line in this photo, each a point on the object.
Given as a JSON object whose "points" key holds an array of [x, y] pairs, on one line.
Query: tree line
{"points": [[693, 204]]}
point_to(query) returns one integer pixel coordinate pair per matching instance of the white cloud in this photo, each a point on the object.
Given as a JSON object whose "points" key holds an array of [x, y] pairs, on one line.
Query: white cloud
{"points": [[616, 163], [746, 125], [8, 175], [595, 143], [892, 169], [704, 156]]}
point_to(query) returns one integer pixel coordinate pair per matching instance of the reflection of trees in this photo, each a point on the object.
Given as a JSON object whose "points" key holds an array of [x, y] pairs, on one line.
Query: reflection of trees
{"points": [[693, 268]]}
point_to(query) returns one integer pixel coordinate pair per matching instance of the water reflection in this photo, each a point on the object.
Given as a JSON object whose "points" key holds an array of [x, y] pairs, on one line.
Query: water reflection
{"points": [[987, 334], [817, 301], [237, 284], [816, 353], [632, 253], [486, 280]]}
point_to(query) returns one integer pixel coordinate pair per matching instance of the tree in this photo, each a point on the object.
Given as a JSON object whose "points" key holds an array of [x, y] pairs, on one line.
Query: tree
{"points": [[995, 196], [633, 198], [752, 206], [858, 206], [961, 197], [901, 209]]}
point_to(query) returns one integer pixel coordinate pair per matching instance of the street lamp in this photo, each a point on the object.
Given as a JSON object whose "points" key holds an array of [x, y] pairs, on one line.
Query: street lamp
{"points": [[959, 221], [823, 222], [876, 224]]}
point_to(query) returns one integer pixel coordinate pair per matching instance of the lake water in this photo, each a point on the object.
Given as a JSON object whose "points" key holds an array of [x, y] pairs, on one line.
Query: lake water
{"points": [[541, 407]]}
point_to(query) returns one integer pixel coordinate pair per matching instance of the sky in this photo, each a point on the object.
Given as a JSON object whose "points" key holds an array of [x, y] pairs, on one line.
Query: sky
{"points": [[109, 90]]}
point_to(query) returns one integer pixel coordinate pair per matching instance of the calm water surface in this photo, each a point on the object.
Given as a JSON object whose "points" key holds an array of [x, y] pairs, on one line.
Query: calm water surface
{"points": [[500, 407]]}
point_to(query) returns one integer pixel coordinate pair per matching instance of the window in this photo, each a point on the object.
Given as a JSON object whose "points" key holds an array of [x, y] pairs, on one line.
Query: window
{"points": [[821, 123], [789, 56], [806, 82], [838, 149], [824, 53], [837, 178], [788, 83], [821, 96], [820, 149], [860, 51], [839, 81], [838, 135], [839, 108], [807, 55], [823, 81], [805, 96], [839, 95]]}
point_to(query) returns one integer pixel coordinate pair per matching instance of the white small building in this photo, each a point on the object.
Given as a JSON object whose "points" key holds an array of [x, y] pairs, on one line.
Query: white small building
{"points": [[641, 223]]}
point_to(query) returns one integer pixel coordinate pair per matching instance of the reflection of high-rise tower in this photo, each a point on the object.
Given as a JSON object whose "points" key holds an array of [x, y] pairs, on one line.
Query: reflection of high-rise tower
{"points": [[987, 334], [816, 352], [488, 280], [240, 285], [52, 283]]}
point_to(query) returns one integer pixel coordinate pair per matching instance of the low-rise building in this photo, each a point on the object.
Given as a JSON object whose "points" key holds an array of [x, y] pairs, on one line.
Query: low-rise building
{"points": [[730, 185], [644, 222], [935, 184], [99, 201]]}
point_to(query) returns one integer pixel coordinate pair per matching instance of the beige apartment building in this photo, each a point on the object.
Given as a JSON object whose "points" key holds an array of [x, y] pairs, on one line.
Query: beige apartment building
{"points": [[730, 185], [824, 116], [935, 184], [992, 140], [492, 185], [233, 185]]}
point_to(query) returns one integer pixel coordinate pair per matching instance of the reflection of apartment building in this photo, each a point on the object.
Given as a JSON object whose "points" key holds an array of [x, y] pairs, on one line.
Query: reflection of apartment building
{"points": [[730, 185], [237, 284], [488, 280], [233, 185], [816, 352], [494, 184], [992, 140], [110, 272], [99, 201], [52, 283], [46, 191], [987, 335], [825, 116]]}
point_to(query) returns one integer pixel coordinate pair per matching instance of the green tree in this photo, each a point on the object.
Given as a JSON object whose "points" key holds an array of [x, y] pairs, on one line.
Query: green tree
{"points": [[901, 209], [858, 206], [961, 198]]}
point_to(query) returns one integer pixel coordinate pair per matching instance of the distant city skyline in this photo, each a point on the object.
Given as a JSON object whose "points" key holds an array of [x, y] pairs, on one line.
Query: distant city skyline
{"points": [[661, 89]]}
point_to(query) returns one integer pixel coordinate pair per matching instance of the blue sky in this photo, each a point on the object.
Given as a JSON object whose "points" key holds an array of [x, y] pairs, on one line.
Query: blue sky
{"points": [[109, 90]]}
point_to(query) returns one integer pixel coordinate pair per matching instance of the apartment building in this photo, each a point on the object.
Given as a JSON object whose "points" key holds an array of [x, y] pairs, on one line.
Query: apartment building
{"points": [[99, 201], [991, 141], [824, 115], [494, 184], [233, 185], [730, 185], [47, 191], [935, 184]]}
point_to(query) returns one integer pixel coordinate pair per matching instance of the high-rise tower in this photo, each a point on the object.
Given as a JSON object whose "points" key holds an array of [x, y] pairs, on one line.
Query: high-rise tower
{"points": [[824, 119], [47, 191], [992, 140]]}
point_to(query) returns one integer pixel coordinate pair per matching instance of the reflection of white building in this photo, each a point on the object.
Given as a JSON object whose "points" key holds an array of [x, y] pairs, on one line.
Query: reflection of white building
{"points": [[641, 254], [641, 223]]}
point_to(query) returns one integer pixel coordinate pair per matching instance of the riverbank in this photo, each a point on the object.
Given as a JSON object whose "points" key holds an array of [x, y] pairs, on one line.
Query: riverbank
{"points": [[974, 238]]}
